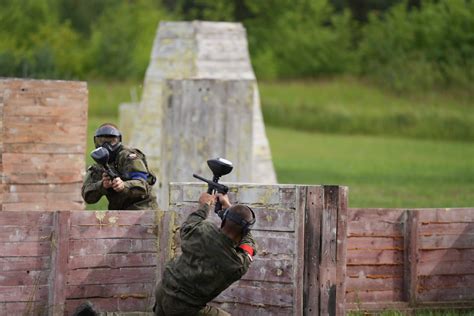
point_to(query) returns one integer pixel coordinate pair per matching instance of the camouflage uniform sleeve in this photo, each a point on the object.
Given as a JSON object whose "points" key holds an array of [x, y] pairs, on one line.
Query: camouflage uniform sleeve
{"points": [[92, 189], [193, 219], [136, 173], [247, 250]]}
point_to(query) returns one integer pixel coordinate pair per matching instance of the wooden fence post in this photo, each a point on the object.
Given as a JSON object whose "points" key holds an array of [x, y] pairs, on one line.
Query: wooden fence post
{"points": [[411, 256], [59, 260], [312, 245], [341, 264], [333, 251]]}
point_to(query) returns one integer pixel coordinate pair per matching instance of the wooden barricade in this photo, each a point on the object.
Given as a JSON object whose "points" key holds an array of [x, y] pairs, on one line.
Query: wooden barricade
{"points": [[53, 261], [43, 126], [405, 259], [300, 231]]}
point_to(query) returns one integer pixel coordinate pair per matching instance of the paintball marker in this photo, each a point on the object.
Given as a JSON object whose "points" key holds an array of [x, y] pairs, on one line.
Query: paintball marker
{"points": [[219, 167], [101, 156]]}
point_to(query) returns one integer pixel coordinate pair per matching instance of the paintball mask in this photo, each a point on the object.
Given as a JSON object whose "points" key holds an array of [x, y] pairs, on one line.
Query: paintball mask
{"points": [[109, 137]]}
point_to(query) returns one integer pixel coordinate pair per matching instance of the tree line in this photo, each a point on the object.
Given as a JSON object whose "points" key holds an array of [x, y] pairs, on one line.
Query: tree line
{"points": [[411, 44]]}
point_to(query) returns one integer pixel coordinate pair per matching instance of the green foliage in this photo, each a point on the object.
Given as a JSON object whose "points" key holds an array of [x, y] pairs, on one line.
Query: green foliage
{"points": [[122, 39], [420, 49], [405, 45]]}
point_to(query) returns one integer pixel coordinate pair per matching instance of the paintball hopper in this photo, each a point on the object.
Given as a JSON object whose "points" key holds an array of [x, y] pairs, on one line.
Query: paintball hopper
{"points": [[100, 155], [219, 167]]}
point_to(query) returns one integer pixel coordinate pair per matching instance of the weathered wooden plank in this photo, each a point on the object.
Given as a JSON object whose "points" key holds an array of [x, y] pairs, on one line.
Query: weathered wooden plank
{"points": [[448, 294], [390, 216], [25, 249], [84, 247], [341, 251], [114, 304], [112, 260], [119, 218], [311, 238], [59, 260], [107, 276], [447, 228], [364, 228], [440, 282], [271, 270], [374, 243], [301, 196], [453, 215], [257, 296], [375, 284], [362, 257], [166, 245], [42, 168], [274, 219], [380, 270], [58, 205], [23, 293], [34, 308], [43, 188], [245, 310], [275, 243], [41, 197], [24, 263], [327, 268], [446, 255], [374, 296], [109, 231], [46, 130], [35, 148], [411, 256], [25, 277], [110, 290], [447, 241], [452, 267], [25, 233], [35, 219]]}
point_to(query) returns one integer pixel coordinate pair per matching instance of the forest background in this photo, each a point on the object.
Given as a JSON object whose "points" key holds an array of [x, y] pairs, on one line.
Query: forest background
{"points": [[374, 94]]}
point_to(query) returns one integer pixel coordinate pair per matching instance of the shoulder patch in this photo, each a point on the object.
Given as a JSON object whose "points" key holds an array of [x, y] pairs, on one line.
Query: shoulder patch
{"points": [[132, 156]]}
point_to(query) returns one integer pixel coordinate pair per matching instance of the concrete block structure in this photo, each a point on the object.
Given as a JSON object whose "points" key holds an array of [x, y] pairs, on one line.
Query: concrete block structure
{"points": [[200, 72]]}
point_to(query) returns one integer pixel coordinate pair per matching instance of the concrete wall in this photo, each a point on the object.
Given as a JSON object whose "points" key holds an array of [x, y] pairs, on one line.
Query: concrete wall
{"points": [[214, 51]]}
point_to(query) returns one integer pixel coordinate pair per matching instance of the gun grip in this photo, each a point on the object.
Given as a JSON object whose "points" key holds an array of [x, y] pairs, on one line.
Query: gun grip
{"points": [[217, 207], [209, 189]]}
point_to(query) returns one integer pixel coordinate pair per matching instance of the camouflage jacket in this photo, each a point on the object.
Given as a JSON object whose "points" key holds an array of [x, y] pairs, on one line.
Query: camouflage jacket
{"points": [[137, 195], [210, 261]]}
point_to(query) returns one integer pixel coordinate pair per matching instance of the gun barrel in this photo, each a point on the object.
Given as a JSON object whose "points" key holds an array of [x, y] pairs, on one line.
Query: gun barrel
{"points": [[201, 178], [213, 185]]}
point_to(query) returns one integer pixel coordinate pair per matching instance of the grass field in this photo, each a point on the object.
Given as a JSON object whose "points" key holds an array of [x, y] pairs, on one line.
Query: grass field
{"points": [[382, 169], [348, 106]]}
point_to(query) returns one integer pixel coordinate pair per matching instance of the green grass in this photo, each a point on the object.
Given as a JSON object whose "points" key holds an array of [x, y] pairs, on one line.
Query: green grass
{"points": [[380, 172], [347, 106]]}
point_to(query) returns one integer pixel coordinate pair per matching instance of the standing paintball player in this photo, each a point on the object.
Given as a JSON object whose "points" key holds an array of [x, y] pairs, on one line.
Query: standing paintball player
{"points": [[212, 259], [132, 188]]}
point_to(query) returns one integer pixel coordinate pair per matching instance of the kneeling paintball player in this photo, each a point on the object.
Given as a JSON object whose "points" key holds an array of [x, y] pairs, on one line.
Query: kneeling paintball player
{"points": [[212, 259], [127, 182]]}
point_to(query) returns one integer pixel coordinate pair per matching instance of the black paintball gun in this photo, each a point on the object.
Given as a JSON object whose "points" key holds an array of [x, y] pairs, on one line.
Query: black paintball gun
{"points": [[101, 156], [219, 167]]}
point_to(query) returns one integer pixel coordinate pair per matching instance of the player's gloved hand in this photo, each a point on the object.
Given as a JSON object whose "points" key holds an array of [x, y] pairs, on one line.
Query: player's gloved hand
{"points": [[207, 198]]}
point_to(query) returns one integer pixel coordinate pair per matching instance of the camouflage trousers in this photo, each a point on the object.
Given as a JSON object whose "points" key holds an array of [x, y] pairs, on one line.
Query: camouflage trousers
{"points": [[169, 306]]}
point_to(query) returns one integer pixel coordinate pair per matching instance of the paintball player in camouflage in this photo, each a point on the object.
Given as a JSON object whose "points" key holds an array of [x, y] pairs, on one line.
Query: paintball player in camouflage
{"points": [[212, 259], [132, 189]]}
